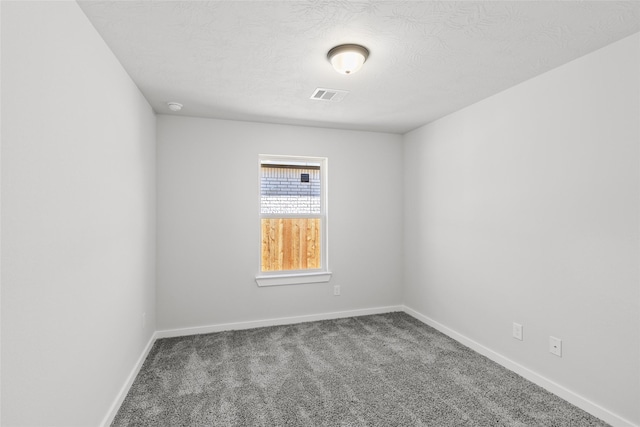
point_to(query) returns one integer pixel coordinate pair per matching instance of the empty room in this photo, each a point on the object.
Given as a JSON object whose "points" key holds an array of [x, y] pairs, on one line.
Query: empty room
{"points": [[320, 213]]}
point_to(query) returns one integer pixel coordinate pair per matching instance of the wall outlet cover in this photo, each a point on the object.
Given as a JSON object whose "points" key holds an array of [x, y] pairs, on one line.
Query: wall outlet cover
{"points": [[517, 331], [555, 346]]}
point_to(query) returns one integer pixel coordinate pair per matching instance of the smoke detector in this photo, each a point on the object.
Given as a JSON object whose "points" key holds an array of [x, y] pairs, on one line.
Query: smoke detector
{"points": [[174, 106]]}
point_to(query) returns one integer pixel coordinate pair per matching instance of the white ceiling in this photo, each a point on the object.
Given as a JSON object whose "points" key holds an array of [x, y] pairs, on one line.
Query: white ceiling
{"points": [[262, 60]]}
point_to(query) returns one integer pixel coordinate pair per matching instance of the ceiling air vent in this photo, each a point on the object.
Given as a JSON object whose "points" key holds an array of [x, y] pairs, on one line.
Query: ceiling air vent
{"points": [[333, 95]]}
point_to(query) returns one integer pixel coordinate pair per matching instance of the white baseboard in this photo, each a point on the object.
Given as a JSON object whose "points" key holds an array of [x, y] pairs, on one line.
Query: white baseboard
{"points": [[169, 333], [113, 410], [555, 388]]}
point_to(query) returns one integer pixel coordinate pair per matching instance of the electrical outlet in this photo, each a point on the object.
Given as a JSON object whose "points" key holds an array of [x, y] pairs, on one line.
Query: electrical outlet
{"points": [[336, 290], [517, 331], [555, 346]]}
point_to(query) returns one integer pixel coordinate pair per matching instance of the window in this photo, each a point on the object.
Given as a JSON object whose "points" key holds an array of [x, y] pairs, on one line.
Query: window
{"points": [[293, 220]]}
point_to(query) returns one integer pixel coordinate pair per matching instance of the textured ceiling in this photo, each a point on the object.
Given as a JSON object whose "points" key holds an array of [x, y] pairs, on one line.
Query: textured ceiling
{"points": [[261, 61]]}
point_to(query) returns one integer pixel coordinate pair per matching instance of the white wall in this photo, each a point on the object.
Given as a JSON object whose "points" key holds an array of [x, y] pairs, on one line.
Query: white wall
{"points": [[78, 218], [524, 207], [209, 231]]}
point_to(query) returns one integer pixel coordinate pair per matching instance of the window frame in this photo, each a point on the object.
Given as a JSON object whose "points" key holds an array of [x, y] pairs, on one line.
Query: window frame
{"points": [[296, 277]]}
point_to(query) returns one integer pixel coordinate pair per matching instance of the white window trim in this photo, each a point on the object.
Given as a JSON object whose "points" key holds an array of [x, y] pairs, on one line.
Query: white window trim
{"points": [[298, 277]]}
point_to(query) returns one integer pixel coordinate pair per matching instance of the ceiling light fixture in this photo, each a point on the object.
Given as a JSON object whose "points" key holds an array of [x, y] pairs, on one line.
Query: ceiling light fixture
{"points": [[174, 106], [348, 58]]}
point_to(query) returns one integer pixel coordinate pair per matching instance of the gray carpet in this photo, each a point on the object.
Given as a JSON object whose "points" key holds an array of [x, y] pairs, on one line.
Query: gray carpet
{"points": [[382, 370]]}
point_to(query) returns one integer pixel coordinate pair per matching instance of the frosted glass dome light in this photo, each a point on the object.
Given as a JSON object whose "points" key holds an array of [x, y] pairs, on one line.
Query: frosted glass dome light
{"points": [[348, 58]]}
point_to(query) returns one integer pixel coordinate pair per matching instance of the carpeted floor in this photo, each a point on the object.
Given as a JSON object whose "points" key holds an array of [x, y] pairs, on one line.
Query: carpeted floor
{"points": [[381, 370]]}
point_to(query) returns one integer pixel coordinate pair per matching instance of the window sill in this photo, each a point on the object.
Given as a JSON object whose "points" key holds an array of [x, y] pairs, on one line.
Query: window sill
{"points": [[293, 279]]}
